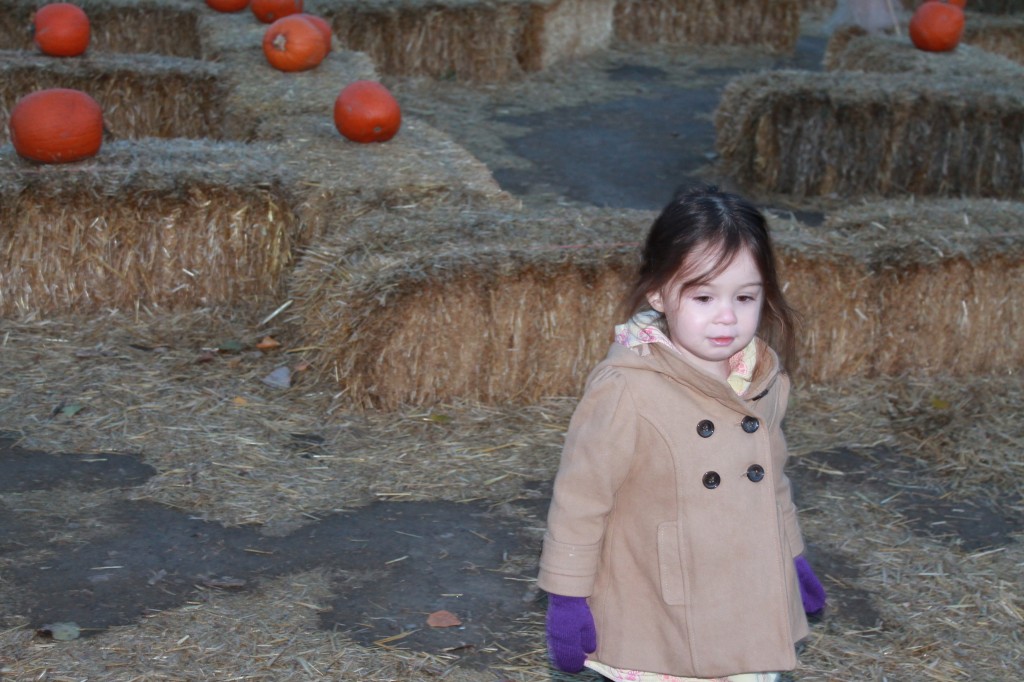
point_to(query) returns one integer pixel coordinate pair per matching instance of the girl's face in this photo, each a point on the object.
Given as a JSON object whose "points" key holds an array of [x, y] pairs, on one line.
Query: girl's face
{"points": [[709, 323]]}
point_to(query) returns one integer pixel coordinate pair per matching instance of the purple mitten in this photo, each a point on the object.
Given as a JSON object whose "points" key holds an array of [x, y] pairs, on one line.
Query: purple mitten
{"points": [[571, 633], [811, 591]]}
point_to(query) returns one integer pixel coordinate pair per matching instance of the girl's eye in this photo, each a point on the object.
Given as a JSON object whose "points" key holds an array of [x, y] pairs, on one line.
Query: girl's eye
{"points": [[702, 299]]}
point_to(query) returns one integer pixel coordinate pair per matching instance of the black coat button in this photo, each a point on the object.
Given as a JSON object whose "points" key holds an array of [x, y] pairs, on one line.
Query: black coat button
{"points": [[755, 472], [750, 424], [705, 428], [712, 480]]}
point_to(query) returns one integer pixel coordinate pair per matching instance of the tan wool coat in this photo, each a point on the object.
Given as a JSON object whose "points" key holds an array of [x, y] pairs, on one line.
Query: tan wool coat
{"points": [[672, 514]]}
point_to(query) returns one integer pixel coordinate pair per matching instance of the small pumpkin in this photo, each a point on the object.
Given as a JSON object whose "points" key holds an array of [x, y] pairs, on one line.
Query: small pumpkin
{"points": [[269, 11], [61, 29], [366, 111], [294, 43], [936, 26], [227, 5], [322, 25], [58, 125]]}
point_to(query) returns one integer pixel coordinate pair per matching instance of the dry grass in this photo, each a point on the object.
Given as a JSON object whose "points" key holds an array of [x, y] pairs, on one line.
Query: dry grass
{"points": [[184, 389], [202, 423]]}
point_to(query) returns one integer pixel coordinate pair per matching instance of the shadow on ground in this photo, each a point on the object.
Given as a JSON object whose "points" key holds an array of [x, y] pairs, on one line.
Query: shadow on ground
{"points": [[393, 563]]}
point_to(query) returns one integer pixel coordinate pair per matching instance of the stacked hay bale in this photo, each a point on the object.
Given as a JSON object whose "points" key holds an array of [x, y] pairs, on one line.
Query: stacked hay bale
{"points": [[142, 95], [177, 224], [932, 124], [465, 40], [422, 307], [908, 287], [165, 27], [1001, 35], [763, 23], [158, 224], [429, 307]]}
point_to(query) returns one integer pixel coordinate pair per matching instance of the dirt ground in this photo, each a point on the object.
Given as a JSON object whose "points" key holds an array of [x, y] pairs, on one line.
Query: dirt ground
{"points": [[128, 523]]}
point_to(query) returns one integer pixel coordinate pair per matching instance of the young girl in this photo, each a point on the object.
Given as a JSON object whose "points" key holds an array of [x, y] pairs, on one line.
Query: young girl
{"points": [[672, 535]]}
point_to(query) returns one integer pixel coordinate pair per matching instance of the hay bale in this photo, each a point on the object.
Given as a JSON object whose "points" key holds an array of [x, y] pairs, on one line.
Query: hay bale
{"points": [[770, 24], [979, 6], [421, 307], [852, 133], [1001, 35], [157, 224], [499, 307], [142, 95], [565, 29], [856, 50], [941, 298], [164, 27], [472, 41]]}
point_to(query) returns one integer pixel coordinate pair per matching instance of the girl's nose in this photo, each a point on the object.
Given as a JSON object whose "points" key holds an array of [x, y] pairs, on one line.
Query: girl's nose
{"points": [[726, 315]]}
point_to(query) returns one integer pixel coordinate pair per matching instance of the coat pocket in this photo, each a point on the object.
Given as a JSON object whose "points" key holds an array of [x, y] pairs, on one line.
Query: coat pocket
{"points": [[670, 564]]}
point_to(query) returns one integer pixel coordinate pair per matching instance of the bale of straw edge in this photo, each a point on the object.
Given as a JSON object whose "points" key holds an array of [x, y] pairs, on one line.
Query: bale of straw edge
{"points": [[976, 7], [142, 95], [421, 307], [164, 27], [565, 29], [855, 133], [1001, 35], [159, 224], [770, 24], [499, 307], [853, 49], [472, 41], [945, 276]]}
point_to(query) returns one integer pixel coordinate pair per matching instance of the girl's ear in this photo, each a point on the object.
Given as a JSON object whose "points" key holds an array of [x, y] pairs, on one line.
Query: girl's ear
{"points": [[654, 298]]}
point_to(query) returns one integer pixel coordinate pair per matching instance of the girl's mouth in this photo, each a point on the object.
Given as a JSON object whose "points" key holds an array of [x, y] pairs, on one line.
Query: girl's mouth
{"points": [[723, 340]]}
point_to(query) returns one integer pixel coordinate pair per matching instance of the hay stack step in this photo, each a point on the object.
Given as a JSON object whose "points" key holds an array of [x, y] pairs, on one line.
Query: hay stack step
{"points": [[854, 133], [142, 95], [172, 225], [429, 307], [166, 27]]}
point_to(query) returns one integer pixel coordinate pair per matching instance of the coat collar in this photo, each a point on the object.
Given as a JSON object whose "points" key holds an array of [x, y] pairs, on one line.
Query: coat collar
{"points": [[664, 360]]}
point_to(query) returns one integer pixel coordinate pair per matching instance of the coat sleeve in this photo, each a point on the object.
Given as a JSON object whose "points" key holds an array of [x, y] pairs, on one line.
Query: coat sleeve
{"points": [[599, 450]]}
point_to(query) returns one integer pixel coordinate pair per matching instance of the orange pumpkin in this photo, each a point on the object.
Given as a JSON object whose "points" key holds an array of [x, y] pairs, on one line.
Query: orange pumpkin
{"points": [[56, 126], [227, 5], [269, 11], [61, 29], [959, 3], [294, 43], [365, 111], [322, 25], [936, 26]]}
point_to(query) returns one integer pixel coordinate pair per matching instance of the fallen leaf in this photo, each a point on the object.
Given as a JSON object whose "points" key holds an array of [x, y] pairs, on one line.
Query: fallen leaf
{"points": [[239, 400], [268, 343], [302, 367], [940, 404], [443, 619]]}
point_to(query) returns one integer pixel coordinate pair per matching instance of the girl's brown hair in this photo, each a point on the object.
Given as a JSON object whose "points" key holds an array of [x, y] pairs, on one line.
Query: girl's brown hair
{"points": [[705, 219]]}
